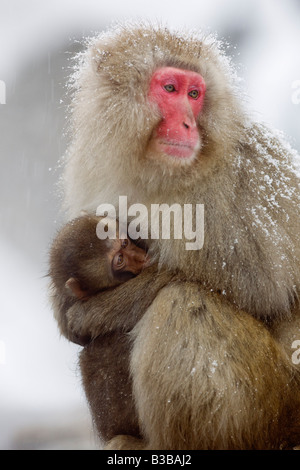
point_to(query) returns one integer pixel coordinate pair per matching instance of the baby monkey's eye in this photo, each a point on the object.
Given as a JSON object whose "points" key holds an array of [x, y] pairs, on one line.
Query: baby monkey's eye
{"points": [[124, 243], [169, 88], [118, 260]]}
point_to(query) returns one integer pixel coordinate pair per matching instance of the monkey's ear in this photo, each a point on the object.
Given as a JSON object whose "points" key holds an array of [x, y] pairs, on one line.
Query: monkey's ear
{"points": [[74, 289]]}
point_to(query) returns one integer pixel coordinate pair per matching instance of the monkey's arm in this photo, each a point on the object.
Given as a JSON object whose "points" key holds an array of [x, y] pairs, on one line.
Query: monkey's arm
{"points": [[119, 308]]}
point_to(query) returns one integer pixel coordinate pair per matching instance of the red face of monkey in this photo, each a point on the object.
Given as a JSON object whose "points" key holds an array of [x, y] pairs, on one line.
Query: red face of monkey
{"points": [[179, 95]]}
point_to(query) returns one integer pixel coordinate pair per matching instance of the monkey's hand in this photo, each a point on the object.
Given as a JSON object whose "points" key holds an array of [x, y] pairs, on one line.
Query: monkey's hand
{"points": [[114, 309]]}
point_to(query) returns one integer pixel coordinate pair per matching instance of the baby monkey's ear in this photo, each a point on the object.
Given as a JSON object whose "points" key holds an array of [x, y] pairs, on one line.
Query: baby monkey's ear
{"points": [[73, 287]]}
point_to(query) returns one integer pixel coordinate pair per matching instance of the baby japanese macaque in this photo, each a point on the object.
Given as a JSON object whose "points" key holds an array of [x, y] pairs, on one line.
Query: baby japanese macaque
{"points": [[81, 264]]}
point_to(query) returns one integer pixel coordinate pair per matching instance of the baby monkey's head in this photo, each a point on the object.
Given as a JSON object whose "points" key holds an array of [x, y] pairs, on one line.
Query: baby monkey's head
{"points": [[83, 264]]}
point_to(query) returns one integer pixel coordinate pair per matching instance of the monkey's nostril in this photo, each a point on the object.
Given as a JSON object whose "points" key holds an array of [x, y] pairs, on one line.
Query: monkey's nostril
{"points": [[186, 125]]}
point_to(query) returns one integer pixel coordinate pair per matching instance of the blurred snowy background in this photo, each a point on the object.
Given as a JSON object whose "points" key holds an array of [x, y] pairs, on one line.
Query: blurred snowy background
{"points": [[41, 401]]}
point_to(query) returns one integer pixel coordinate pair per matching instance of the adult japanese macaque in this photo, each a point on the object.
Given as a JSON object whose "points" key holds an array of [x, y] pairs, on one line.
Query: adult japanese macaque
{"points": [[158, 117]]}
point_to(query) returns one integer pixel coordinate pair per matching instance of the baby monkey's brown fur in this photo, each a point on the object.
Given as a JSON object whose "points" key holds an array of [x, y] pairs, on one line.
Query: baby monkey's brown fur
{"points": [[82, 265]]}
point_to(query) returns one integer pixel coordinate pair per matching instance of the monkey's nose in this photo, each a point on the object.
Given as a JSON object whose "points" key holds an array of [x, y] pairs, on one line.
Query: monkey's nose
{"points": [[189, 125], [188, 119]]}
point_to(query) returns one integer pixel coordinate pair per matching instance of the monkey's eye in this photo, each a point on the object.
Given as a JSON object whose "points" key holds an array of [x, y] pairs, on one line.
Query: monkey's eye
{"points": [[169, 88], [118, 261], [124, 243], [194, 94]]}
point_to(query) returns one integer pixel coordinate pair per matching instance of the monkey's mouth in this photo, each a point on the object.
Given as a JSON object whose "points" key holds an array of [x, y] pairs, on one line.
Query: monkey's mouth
{"points": [[177, 148]]}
